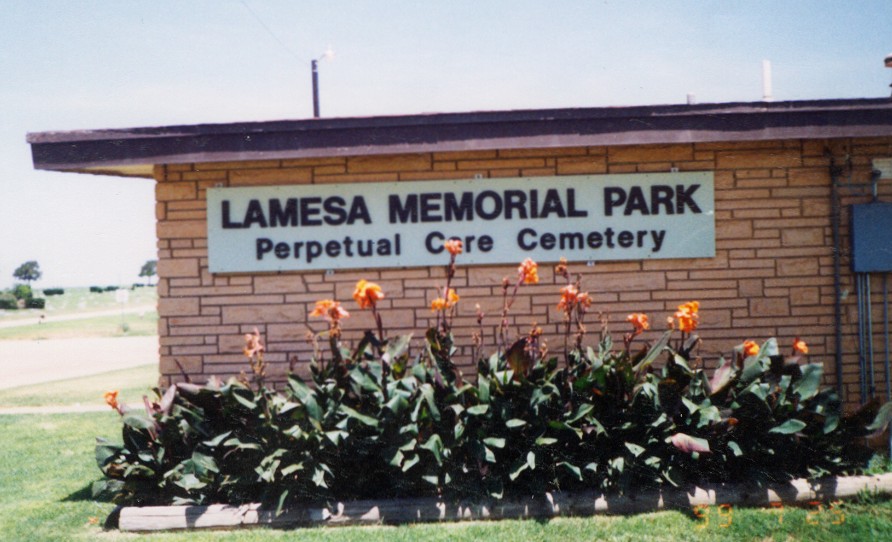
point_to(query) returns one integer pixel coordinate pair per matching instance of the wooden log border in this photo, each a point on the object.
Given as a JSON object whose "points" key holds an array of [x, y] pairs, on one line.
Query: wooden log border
{"points": [[395, 511]]}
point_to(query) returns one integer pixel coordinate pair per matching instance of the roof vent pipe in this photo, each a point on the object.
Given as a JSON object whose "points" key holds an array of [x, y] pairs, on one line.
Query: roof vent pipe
{"points": [[692, 98], [766, 81]]}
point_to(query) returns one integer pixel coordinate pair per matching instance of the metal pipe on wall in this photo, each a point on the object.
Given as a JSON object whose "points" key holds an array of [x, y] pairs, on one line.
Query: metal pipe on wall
{"points": [[835, 219]]}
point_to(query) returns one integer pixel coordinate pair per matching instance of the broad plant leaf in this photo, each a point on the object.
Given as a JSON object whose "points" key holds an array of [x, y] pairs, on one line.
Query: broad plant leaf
{"points": [[788, 427], [688, 444]]}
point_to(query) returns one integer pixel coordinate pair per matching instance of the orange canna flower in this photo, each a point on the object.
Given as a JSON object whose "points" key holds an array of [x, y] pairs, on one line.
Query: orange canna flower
{"points": [[330, 310], [799, 346], [442, 304], [569, 294], [687, 316], [453, 246], [584, 300], [111, 399], [253, 345], [528, 271], [638, 321], [451, 297], [367, 294], [750, 348]]}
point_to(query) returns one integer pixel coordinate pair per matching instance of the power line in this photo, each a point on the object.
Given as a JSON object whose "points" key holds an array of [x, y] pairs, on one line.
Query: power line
{"points": [[270, 32]]}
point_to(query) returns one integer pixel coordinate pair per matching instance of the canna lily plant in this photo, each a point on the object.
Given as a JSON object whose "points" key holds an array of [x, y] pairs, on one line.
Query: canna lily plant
{"points": [[373, 420]]}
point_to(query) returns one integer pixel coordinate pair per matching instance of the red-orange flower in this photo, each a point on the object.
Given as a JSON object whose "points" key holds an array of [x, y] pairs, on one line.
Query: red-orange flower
{"points": [[750, 348], [638, 321], [111, 399], [569, 294], [453, 246], [528, 271], [584, 300], [252, 344], [367, 294], [687, 316], [799, 346], [441, 303], [330, 310]]}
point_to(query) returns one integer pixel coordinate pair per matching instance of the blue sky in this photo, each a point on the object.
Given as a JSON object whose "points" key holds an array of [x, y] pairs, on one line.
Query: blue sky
{"points": [[70, 65]]}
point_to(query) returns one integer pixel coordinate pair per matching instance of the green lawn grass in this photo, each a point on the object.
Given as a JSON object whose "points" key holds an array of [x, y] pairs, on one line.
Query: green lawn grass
{"points": [[121, 325], [47, 467], [80, 300], [131, 384]]}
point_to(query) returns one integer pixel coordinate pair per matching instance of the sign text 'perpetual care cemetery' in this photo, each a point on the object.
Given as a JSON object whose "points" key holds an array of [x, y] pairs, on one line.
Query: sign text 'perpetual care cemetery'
{"points": [[363, 225]]}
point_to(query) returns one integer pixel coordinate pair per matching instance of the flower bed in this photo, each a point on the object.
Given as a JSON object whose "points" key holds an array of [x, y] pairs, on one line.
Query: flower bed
{"points": [[373, 422]]}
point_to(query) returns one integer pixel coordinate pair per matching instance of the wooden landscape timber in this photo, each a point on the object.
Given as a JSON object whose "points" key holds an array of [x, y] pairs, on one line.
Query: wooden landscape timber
{"points": [[395, 511]]}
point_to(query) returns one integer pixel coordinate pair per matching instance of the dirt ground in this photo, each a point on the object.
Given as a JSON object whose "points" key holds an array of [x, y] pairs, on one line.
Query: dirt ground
{"points": [[32, 362]]}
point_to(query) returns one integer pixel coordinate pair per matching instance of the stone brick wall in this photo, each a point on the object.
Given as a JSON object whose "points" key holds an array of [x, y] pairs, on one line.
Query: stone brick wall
{"points": [[772, 274]]}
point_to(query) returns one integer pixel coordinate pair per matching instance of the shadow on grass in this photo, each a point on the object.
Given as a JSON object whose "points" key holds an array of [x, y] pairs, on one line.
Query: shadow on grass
{"points": [[86, 494]]}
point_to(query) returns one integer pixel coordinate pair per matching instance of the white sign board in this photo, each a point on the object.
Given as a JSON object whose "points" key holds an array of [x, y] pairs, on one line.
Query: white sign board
{"points": [[365, 225]]}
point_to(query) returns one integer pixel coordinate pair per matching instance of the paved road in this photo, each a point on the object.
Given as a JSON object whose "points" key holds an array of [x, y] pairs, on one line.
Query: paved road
{"points": [[32, 362], [36, 320]]}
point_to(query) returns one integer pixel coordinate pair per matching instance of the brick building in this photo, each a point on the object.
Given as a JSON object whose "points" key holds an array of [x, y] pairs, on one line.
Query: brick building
{"points": [[783, 176]]}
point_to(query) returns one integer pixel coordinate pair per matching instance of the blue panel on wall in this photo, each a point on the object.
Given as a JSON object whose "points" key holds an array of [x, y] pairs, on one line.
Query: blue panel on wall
{"points": [[872, 237]]}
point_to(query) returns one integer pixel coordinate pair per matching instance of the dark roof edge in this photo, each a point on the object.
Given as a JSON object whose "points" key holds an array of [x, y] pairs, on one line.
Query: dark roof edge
{"points": [[105, 149]]}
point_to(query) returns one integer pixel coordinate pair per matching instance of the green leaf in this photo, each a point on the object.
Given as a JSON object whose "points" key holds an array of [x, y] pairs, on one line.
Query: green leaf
{"points": [[769, 348], [788, 427], [531, 460], [435, 446], [754, 367], [105, 451], [581, 412], [634, 448], [204, 463], [807, 386], [545, 441], [577, 473], [214, 442], [397, 404], [483, 389], [477, 410], [515, 422], [411, 462], [882, 419], [458, 430], [396, 347], [654, 352], [396, 459], [489, 455], [735, 448], [306, 396], [361, 418], [319, 476], [294, 467], [281, 504], [336, 437], [518, 469], [244, 401], [617, 464], [138, 421], [427, 391], [494, 442], [239, 445]]}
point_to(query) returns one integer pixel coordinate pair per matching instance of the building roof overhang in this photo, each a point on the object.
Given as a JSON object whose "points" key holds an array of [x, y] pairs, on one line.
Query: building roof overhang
{"points": [[134, 152]]}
